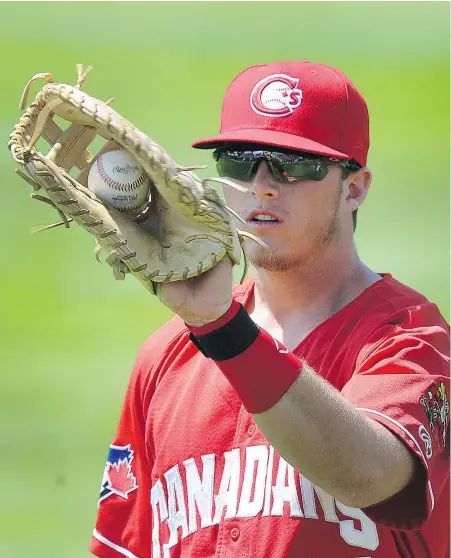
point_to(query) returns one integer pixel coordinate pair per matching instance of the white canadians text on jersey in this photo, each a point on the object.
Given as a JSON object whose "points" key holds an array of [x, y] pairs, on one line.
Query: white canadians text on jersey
{"points": [[258, 495]]}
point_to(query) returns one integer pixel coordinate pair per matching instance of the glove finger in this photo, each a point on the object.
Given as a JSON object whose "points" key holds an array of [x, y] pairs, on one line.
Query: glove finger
{"points": [[119, 268]]}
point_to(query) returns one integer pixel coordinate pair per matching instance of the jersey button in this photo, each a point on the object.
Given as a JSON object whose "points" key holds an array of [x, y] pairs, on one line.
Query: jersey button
{"points": [[235, 534], [251, 430]]}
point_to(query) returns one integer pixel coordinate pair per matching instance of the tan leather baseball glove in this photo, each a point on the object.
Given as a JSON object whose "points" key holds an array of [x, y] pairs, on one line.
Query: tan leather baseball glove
{"points": [[181, 231]]}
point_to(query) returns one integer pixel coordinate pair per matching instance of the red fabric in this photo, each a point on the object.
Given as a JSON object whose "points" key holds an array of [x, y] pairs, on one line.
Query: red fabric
{"points": [[209, 483], [261, 375], [296, 105], [387, 386]]}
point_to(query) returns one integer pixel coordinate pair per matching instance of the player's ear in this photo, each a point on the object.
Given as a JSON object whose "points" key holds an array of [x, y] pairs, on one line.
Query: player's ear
{"points": [[355, 187]]}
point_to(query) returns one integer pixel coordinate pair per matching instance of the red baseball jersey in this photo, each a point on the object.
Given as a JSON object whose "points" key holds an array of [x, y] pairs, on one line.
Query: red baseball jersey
{"points": [[190, 475]]}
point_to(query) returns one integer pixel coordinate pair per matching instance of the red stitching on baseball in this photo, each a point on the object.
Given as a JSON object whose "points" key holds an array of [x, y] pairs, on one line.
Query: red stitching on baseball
{"points": [[113, 184]]}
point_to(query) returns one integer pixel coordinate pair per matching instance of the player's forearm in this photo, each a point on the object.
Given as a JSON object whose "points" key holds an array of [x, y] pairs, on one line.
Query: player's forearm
{"points": [[351, 457]]}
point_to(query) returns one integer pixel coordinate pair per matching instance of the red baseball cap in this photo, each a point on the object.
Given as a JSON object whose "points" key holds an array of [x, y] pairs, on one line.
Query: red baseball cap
{"points": [[296, 105]]}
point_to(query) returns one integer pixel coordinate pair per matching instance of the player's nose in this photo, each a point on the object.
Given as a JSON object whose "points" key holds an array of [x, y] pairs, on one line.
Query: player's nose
{"points": [[264, 185]]}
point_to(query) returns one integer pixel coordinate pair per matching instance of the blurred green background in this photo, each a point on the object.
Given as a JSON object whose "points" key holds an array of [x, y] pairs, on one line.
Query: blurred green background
{"points": [[69, 332]]}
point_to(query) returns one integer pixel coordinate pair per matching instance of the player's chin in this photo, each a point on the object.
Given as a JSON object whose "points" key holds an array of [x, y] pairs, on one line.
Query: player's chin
{"points": [[270, 258]]}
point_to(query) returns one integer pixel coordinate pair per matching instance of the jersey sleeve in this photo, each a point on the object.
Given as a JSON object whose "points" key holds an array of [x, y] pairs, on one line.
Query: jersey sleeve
{"points": [[402, 381], [123, 519], [123, 526]]}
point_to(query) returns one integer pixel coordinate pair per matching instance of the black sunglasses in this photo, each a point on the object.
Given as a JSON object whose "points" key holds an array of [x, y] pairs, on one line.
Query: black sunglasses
{"points": [[285, 167]]}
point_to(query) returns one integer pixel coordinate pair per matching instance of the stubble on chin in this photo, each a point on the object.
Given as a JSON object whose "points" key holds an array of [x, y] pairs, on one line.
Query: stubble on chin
{"points": [[271, 260]]}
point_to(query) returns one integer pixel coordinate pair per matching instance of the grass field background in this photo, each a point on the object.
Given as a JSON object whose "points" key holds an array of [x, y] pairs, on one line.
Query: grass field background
{"points": [[69, 332]]}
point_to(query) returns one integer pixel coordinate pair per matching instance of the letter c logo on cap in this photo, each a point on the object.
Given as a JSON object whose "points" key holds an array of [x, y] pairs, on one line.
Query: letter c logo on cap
{"points": [[276, 95]]}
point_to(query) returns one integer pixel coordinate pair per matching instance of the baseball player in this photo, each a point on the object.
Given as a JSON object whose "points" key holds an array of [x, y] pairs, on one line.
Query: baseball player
{"points": [[304, 413]]}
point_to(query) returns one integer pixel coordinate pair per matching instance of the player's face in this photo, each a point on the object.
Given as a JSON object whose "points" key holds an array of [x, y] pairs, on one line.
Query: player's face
{"points": [[309, 217]]}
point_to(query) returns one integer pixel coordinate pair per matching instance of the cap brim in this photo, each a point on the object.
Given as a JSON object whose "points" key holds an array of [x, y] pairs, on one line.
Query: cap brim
{"points": [[269, 137]]}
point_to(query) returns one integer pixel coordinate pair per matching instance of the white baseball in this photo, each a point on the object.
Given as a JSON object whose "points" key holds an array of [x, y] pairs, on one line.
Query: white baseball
{"points": [[119, 180], [272, 95]]}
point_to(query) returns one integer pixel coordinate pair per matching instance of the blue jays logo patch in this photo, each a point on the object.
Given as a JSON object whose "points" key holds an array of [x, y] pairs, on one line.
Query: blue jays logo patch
{"points": [[118, 477]]}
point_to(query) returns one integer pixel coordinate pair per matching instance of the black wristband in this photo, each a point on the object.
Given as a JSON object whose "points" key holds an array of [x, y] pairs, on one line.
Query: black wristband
{"points": [[229, 340]]}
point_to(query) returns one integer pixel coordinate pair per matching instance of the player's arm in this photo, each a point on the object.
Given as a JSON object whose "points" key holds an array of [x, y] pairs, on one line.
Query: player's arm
{"points": [[309, 423], [350, 456]]}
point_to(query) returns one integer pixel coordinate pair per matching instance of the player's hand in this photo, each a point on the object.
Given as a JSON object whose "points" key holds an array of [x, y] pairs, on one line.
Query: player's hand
{"points": [[200, 300]]}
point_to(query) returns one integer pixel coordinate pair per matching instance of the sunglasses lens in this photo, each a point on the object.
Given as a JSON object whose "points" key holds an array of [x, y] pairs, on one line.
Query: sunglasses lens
{"points": [[233, 167], [304, 170]]}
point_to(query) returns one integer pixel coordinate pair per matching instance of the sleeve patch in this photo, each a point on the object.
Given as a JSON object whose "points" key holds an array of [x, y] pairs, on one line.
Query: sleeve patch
{"points": [[118, 476], [436, 405]]}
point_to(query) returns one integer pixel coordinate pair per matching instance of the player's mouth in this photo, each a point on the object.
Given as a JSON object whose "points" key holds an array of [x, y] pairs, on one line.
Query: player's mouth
{"points": [[263, 219]]}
